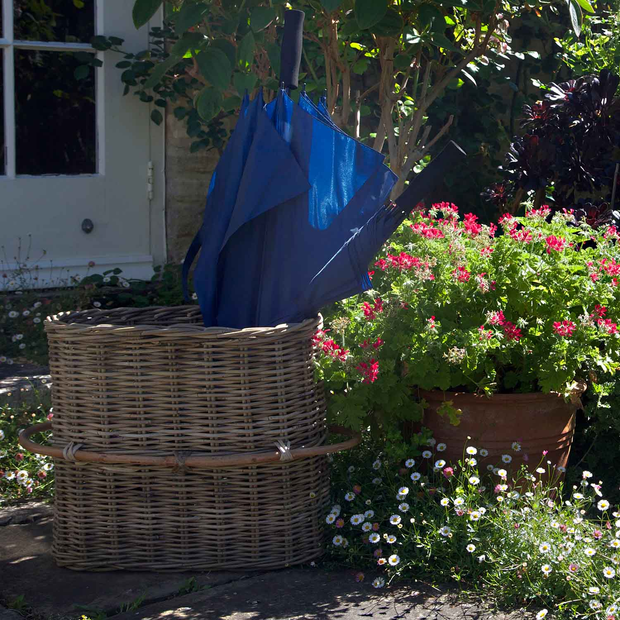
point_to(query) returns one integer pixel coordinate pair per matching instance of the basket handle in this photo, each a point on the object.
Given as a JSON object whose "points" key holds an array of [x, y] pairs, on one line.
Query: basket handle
{"points": [[74, 453]]}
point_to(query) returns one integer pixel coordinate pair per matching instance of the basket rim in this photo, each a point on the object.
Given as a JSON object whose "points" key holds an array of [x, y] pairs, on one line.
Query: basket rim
{"points": [[58, 323]]}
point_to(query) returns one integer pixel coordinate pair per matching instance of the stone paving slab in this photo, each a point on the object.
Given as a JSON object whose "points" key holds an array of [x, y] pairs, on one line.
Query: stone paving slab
{"points": [[31, 385], [27, 568], [309, 593], [317, 594]]}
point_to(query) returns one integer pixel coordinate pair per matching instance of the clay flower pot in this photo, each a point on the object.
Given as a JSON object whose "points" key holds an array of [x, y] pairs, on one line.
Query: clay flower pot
{"points": [[538, 422]]}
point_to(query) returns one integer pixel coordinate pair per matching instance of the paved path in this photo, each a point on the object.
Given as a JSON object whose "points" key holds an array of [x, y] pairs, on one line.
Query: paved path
{"points": [[309, 593]]}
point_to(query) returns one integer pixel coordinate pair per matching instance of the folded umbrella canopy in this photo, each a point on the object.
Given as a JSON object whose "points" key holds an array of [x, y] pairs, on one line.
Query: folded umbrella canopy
{"points": [[294, 211]]}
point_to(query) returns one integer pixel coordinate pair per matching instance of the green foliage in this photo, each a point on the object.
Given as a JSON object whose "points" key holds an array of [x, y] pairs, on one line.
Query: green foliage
{"points": [[456, 308], [512, 538], [143, 10]]}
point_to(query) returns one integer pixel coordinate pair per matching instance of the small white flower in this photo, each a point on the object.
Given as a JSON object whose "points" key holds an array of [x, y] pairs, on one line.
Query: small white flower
{"points": [[351, 469], [403, 507], [409, 463], [603, 505], [441, 447], [376, 465], [391, 539], [357, 519], [502, 473], [336, 508], [369, 514], [444, 501], [459, 501], [490, 467], [22, 346], [615, 543], [350, 496], [594, 604], [445, 531], [471, 548], [440, 464], [337, 540], [19, 336], [378, 582], [374, 538], [541, 614], [482, 558], [97, 304], [516, 446], [415, 476], [484, 452], [431, 442], [377, 481], [403, 491], [366, 527], [546, 569], [611, 610], [37, 304], [544, 547], [589, 552], [609, 572], [577, 495], [26, 313], [393, 560], [331, 518], [13, 314], [395, 519], [594, 590], [586, 474], [36, 319], [475, 515], [427, 454], [506, 458], [561, 469], [474, 480], [471, 450], [540, 470], [9, 475], [482, 510], [471, 461], [22, 475]]}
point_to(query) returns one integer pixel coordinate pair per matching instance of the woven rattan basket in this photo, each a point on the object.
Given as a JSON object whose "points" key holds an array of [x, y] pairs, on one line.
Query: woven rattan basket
{"points": [[180, 447]]}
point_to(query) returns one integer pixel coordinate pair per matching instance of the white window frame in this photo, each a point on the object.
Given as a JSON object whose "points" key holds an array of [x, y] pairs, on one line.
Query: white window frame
{"points": [[8, 45]]}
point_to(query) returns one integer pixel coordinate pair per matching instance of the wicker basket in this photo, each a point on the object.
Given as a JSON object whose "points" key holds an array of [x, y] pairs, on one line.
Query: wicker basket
{"points": [[164, 435]]}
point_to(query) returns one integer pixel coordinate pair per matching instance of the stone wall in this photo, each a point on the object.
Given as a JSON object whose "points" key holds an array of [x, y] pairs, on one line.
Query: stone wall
{"points": [[187, 179]]}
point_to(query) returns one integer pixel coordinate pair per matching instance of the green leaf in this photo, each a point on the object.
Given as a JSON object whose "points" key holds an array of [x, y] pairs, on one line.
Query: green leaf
{"points": [[441, 40], [227, 47], [402, 61], [100, 43], [157, 117], [586, 6], [330, 5], [391, 25], [180, 113], [123, 64], [261, 17], [273, 52], [245, 52], [231, 103], [430, 16], [243, 82], [176, 54], [215, 67], [575, 19], [350, 27], [209, 103], [190, 15], [81, 72], [369, 12], [143, 10], [116, 40]]}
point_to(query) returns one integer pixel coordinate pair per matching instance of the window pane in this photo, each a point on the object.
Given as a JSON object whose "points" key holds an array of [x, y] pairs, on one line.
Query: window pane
{"points": [[2, 143], [54, 20], [54, 114]]}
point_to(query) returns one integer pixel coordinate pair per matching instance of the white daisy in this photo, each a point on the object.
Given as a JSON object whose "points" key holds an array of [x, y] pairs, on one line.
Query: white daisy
{"points": [[506, 458], [330, 519], [431, 442], [415, 476], [589, 552], [544, 547], [595, 604], [441, 447], [409, 463], [349, 496], [369, 514], [48, 466], [471, 461], [609, 572], [546, 569], [440, 464], [516, 446], [586, 474], [403, 507], [484, 452], [471, 450], [594, 590], [395, 519], [378, 582], [393, 560], [374, 538], [475, 515], [540, 470], [337, 540], [376, 464], [562, 469], [471, 548], [502, 473], [490, 467], [611, 610], [22, 475], [482, 510], [445, 530], [541, 614], [474, 480], [403, 491], [366, 527], [377, 481], [459, 501], [577, 495], [391, 539], [357, 519], [9, 475], [615, 543], [427, 454], [444, 501], [603, 505]]}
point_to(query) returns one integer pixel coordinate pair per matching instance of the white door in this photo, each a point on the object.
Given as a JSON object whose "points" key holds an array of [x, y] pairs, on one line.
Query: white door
{"points": [[75, 155]]}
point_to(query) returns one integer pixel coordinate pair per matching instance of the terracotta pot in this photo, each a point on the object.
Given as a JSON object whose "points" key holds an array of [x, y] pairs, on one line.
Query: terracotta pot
{"points": [[537, 421]]}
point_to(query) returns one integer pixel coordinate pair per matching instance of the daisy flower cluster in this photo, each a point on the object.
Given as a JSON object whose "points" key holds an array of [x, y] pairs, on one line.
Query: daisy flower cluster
{"points": [[22, 474], [524, 537]]}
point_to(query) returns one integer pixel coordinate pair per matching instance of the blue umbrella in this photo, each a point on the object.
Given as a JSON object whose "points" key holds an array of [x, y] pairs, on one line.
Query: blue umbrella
{"points": [[295, 211]]}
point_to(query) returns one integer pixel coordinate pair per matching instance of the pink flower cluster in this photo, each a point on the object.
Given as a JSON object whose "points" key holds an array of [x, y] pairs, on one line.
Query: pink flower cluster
{"points": [[370, 370], [564, 328], [370, 312], [542, 213], [461, 274], [555, 243], [375, 345], [329, 347]]}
